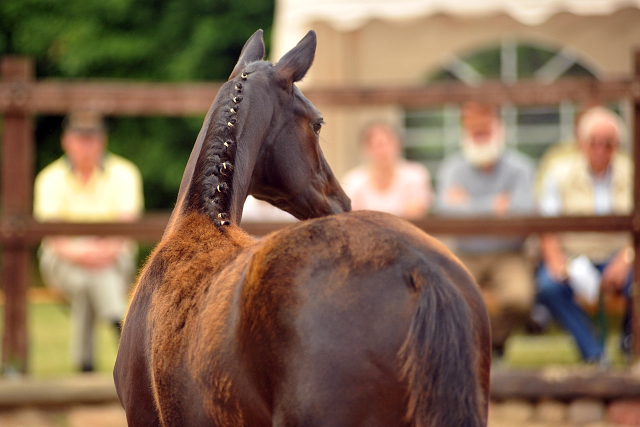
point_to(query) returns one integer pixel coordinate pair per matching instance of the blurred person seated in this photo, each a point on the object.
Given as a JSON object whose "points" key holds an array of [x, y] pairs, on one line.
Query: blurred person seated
{"points": [[561, 152], [88, 184], [386, 182], [485, 178], [576, 267]]}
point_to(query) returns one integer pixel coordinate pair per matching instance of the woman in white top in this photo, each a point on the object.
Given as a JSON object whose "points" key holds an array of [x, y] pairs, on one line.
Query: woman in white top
{"points": [[387, 182]]}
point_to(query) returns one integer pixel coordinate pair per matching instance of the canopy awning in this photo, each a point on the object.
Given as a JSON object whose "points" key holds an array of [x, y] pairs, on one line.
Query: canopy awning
{"points": [[294, 17]]}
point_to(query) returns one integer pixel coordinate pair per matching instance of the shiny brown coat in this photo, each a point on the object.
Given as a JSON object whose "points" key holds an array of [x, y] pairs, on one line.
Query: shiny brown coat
{"points": [[356, 319]]}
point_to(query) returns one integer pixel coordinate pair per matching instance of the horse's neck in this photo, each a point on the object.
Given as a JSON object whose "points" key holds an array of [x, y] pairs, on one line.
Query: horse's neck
{"points": [[187, 176], [193, 241], [217, 177]]}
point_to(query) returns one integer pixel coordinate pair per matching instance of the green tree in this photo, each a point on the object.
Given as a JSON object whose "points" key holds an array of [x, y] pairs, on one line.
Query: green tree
{"points": [[152, 40]]}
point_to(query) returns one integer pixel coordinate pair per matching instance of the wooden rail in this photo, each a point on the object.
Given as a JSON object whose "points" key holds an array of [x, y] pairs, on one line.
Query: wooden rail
{"points": [[165, 99], [21, 98], [563, 384], [18, 231]]}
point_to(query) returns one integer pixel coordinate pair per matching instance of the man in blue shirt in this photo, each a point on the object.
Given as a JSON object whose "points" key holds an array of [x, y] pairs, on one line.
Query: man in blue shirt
{"points": [[485, 178]]}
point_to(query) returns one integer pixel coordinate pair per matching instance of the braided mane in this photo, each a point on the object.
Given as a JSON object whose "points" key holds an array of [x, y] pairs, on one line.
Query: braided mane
{"points": [[211, 191]]}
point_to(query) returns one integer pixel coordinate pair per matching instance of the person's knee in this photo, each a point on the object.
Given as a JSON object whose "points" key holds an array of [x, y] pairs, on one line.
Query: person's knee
{"points": [[108, 296], [519, 295], [547, 288], [549, 294], [517, 306], [523, 295]]}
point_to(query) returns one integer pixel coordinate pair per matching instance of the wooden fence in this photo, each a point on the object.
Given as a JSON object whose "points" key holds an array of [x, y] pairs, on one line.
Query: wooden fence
{"points": [[21, 98]]}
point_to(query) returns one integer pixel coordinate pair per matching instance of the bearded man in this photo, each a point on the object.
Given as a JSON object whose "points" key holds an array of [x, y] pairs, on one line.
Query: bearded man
{"points": [[485, 178]]}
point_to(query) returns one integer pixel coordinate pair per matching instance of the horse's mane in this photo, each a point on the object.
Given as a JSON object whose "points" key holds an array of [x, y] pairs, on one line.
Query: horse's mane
{"points": [[206, 184], [211, 187]]}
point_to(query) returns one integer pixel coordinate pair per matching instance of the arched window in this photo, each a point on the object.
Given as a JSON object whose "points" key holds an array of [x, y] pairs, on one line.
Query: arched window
{"points": [[433, 133]]}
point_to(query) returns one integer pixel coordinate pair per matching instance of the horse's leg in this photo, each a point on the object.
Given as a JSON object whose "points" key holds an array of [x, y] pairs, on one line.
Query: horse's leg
{"points": [[131, 372]]}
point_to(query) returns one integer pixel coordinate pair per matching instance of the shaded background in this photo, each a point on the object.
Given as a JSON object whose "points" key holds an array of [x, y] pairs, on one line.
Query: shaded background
{"points": [[144, 40]]}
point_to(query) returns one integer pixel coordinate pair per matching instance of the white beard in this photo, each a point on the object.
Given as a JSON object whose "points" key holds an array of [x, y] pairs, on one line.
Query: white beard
{"points": [[483, 154]]}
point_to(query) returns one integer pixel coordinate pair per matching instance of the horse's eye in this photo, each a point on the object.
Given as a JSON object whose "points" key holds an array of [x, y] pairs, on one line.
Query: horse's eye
{"points": [[317, 126]]}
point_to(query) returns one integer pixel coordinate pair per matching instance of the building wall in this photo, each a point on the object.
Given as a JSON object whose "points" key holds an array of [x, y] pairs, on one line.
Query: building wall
{"points": [[401, 54]]}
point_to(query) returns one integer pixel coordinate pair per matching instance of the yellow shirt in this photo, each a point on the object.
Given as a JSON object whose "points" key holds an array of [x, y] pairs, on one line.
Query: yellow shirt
{"points": [[113, 191]]}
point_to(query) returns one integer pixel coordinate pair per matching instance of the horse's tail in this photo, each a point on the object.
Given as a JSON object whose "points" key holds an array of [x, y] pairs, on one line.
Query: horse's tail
{"points": [[439, 361]]}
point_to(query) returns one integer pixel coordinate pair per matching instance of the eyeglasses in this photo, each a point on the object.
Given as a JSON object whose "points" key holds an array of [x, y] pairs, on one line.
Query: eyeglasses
{"points": [[607, 143]]}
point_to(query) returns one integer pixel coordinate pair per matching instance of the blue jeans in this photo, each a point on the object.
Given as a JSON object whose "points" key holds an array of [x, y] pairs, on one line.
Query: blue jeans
{"points": [[558, 298]]}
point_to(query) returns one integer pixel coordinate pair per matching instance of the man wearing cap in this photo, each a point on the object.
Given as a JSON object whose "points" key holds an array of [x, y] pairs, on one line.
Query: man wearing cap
{"points": [[487, 179], [88, 184]]}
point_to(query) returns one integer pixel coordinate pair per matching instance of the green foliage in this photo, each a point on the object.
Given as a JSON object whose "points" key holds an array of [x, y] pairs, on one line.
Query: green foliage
{"points": [[168, 40], [152, 40]]}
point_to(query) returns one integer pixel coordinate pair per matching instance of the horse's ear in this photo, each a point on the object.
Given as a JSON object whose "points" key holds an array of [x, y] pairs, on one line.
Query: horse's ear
{"points": [[252, 51], [294, 64]]}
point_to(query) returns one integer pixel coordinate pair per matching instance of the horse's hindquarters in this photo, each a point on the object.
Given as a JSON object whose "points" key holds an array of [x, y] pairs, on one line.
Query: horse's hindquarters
{"points": [[352, 324]]}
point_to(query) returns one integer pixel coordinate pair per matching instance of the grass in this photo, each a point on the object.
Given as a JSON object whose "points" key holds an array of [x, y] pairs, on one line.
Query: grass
{"points": [[553, 348], [49, 345], [49, 327]]}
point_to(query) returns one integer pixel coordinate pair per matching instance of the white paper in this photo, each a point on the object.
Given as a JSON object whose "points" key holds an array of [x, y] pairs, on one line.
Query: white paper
{"points": [[584, 279]]}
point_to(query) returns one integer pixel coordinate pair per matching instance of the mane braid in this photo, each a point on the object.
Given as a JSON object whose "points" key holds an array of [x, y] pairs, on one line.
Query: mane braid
{"points": [[213, 175]]}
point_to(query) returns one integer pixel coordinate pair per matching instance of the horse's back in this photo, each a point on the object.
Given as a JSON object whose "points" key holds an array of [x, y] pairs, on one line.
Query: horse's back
{"points": [[326, 308]]}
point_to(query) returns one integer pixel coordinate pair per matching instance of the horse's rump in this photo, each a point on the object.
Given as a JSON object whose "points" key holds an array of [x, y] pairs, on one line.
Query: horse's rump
{"points": [[343, 321]]}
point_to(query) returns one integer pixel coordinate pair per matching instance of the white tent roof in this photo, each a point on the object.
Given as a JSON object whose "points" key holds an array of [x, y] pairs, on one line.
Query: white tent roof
{"points": [[293, 17]]}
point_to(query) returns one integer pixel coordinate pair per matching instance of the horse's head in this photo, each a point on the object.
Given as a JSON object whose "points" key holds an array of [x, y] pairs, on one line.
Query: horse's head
{"points": [[260, 137], [290, 171]]}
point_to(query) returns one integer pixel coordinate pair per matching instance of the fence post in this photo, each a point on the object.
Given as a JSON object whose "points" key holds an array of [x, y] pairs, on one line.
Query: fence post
{"points": [[15, 204], [635, 291]]}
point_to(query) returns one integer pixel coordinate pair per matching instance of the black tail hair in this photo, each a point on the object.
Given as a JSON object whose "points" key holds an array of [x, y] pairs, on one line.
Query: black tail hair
{"points": [[438, 357]]}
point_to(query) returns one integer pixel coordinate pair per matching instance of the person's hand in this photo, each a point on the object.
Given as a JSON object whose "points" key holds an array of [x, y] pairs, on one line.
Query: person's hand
{"points": [[501, 204], [99, 254], [554, 257], [89, 252], [615, 273], [457, 196], [557, 268], [414, 211]]}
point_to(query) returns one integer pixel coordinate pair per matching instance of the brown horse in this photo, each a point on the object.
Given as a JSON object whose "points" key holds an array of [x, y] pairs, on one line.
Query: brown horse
{"points": [[357, 319]]}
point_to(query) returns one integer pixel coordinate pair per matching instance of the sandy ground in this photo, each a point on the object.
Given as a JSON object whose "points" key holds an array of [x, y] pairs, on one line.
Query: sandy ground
{"points": [[112, 415]]}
